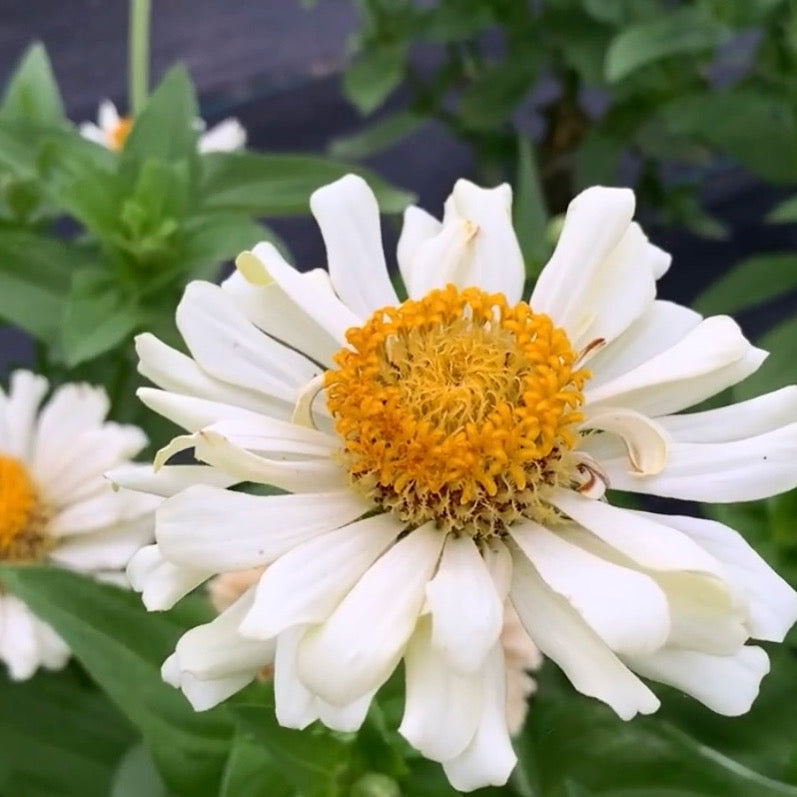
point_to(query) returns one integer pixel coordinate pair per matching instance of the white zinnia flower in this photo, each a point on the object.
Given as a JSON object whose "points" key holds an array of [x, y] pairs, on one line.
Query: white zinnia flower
{"points": [[56, 506], [111, 131], [459, 456]]}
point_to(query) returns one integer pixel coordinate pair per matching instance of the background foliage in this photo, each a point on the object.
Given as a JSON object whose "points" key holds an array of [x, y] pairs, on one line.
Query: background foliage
{"points": [[555, 95]]}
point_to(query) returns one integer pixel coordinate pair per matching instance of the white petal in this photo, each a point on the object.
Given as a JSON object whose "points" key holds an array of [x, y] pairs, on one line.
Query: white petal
{"points": [[702, 618], [272, 310], [216, 649], [650, 544], [53, 651], [358, 647], [70, 474], [348, 718], [492, 259], [26, 390], [203, 694], [220, 530], [19, 644], [467, 611], [741, 470], [563, 636], [174, 371], [105, 509], [160, 582], [596, 221], [294, 475], [662, 326], [194, 413], [228, 347], [348, 215], [92, 132], [442, 707], [646, 442], [475, 246], [772, 602], [726, 684], [167, 481], [627, 609], [72, 410], [418, 227], [108, 549], [107, 115], [294, 704], [489, 759], [499, 564], [313, 295], [227, 136], [306, 584], [737, 421], [713, 356], [620, 291]]}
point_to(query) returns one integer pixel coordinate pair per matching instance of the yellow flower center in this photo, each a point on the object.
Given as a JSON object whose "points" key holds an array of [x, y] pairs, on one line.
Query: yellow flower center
{"points": [[118, 134], [22, 517], [457, 408]]}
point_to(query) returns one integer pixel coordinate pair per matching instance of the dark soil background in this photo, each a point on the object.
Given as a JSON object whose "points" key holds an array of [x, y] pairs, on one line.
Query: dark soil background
{"points": [[276, 66]]}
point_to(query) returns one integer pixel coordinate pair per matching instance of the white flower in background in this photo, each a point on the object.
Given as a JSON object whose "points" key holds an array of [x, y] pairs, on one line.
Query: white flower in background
{"points": [[458, 457], [111, 131], [55, 505]]}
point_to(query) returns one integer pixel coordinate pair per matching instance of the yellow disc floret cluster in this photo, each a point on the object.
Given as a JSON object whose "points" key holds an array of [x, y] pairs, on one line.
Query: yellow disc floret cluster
{"points": [[22, 517], [457, 408]]}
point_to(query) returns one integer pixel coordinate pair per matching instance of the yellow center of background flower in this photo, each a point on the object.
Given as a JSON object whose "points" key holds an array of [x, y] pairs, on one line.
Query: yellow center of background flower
{"points": [[118, 134], [22, 517], [457, 408]]}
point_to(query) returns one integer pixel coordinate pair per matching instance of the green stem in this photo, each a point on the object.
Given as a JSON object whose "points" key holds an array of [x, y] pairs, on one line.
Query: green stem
{"points": [[138, 55]]}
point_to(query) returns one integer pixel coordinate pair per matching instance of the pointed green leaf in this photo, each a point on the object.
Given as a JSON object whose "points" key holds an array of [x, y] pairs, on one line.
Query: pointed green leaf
{"points": [[280, 185], [378, 136], [166, 128], [32, 92], [529, 213], [373, 75], [99, 315]]}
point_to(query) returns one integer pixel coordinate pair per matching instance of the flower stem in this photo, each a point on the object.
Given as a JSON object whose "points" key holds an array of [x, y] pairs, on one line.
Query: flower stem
{"points": [[138, 55]]}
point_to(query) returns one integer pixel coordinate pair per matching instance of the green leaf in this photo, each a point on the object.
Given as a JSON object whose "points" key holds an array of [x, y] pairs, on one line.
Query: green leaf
{"points": [[32, 92], [571, 738], [99, 315], [122, 647], [280, 185], [735, 123], [749, 283], [60, 737], [314, 761], [492, 98], [137, 775], [687, 30], [529, 213], [252, 772], [373, 75], [779, 369], [378, 136], [36, 271], [213, 238], [166, 127], [784, 212]]}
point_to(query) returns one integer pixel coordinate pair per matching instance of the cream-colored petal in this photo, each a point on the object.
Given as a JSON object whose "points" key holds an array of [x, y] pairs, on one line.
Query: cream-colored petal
{"points": [[226, 136], [167, 481], [161, 582], [418, 227], [626, 608], [646, 441], [561, 634]]}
